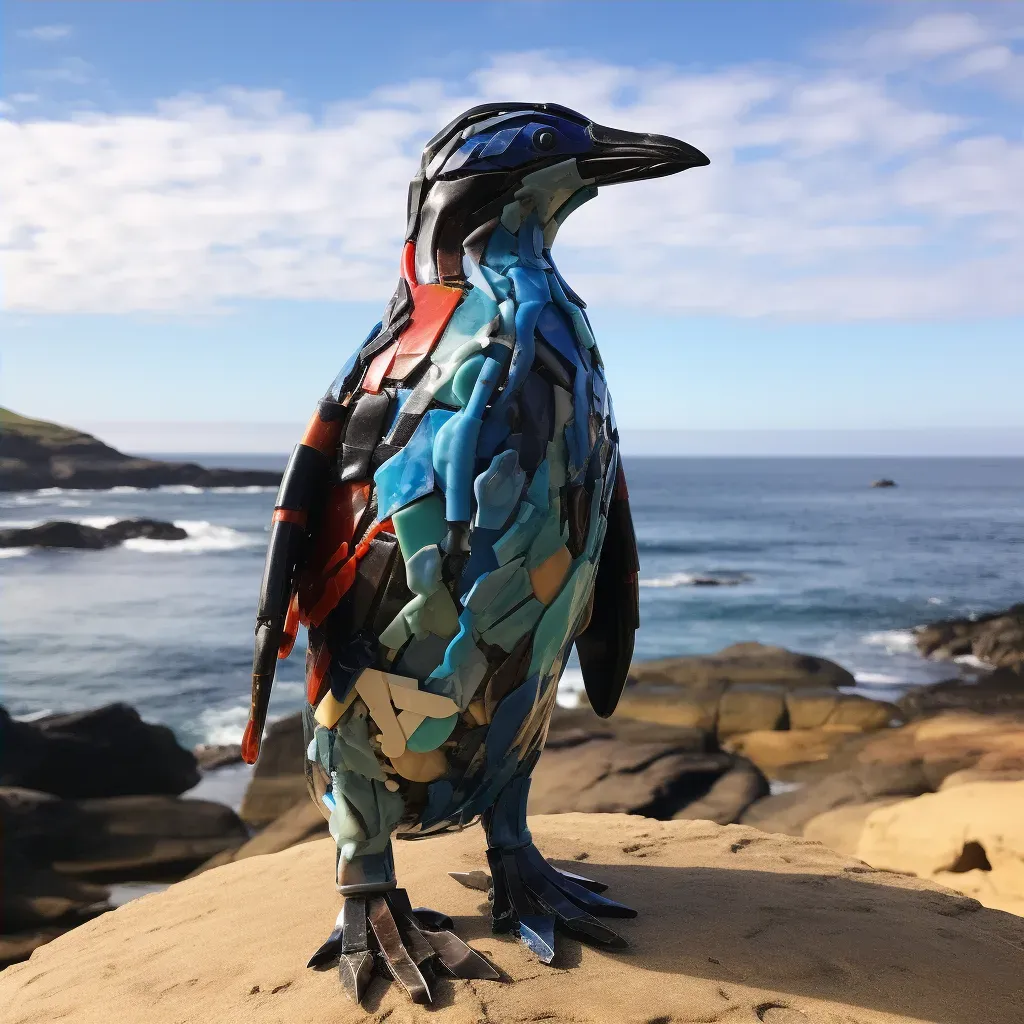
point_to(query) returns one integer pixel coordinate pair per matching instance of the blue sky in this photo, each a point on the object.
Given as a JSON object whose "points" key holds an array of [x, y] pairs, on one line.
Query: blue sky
{"points": [[202, 194]]}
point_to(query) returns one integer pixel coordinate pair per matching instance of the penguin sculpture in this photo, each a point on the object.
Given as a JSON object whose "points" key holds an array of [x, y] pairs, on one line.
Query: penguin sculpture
{"points": [[453, 521]]}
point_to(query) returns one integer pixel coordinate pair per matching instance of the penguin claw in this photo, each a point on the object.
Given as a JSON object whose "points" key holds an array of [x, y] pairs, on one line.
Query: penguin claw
{"points": [[532, 898], [383, 930]]}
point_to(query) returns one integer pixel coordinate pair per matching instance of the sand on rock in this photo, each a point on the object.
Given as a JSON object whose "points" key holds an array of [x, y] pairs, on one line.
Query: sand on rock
{"points": [[735, 926]]}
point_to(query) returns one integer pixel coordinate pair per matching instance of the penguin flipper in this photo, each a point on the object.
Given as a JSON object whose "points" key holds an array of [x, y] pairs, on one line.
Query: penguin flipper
{"points": [[605, 647]]}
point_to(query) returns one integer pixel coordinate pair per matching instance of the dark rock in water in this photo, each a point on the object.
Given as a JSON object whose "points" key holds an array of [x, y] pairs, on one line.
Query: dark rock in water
{"points": [[37, 453], [1002, 690], [128, 838], [996, 639], [217, 755], [279, 778], [883, 482], [59, 534], [108, 751]]}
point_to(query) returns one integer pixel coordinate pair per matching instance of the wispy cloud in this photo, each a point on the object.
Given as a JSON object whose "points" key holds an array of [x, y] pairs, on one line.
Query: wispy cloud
{"points": [[46, 33], [833, 193]]}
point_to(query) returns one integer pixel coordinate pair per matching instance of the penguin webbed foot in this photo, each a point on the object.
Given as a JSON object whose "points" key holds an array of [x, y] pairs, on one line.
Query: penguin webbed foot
{"points": [[532, 898], [407, 944]]}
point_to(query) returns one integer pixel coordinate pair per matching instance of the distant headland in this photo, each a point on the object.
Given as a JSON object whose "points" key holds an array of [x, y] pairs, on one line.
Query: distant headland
{"points": [[36, 454]]}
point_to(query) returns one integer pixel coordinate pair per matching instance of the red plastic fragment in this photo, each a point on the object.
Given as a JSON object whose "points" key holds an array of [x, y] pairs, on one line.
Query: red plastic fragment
{"points": [[291, 628], [289, 515], [322, 434], [250, 744], [316, 674], [432, 308]]}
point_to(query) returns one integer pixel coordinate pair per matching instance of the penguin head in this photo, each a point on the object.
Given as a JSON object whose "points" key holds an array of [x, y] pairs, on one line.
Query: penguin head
{"points": [[501, 163]]}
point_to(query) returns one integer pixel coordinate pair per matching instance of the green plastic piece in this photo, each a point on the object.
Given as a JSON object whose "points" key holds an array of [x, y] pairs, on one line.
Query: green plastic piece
{"points": [[420, 524], [517, 539], [510, 630], [487, 588], [475, 310], [352, 747], [516, 590], [431, 733]]}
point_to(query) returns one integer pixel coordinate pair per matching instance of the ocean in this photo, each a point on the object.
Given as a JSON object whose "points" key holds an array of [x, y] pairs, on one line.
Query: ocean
{"points": [[805, 553]]}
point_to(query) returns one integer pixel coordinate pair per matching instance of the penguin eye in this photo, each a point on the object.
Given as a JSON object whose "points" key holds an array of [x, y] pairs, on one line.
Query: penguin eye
{"points": [[545, 140]]}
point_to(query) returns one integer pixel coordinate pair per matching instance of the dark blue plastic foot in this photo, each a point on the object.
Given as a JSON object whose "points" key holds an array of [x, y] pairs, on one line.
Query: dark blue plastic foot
{"points": [[530, 897]]}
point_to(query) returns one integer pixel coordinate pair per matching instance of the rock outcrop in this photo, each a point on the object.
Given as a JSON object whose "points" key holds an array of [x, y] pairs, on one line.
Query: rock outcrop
{"points": [[750, 690], [61, 534], [107, 751], [37, 453], [997, 639], [969, 838], [734, 925], [995, 692]]}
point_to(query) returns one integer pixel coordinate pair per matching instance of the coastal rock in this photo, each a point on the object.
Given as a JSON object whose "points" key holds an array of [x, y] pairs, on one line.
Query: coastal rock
{"points": [[732, 925], [279, 779], [773, 751], [883, 482], [996, 639], [217, 755], [790, 812], [970, 838], [755, 663], [130, 838], [999, 691], [840, 829], [60, 534], [37, 453], [108, 751], [299, 824]]}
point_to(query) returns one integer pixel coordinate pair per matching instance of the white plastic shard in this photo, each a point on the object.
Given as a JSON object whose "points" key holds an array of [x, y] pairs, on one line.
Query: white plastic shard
{"points": [[409, 722], [373, 687], [422, 702]]}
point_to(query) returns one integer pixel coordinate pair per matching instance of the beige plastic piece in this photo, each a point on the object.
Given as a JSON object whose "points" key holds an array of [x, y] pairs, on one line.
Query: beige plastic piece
{"points": [[329, 710], [390, 785], [478, 711], [409, 722], [372, 686], [548, 577], [417, 767], [429, 705]]}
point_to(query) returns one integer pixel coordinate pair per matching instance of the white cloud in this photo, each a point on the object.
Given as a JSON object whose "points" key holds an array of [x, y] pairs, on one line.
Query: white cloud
{"points": [[46, 33], [829, 196]]}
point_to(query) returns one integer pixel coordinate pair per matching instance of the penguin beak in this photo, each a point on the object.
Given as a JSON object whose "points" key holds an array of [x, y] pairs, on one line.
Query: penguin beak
{"points": [[633, 156]]}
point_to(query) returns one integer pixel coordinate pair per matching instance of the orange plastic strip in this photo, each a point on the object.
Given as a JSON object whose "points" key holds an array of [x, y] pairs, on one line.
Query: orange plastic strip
{"points": [[291, 628], [321, 434], [338, 585], [289, 515], [314, 684]]}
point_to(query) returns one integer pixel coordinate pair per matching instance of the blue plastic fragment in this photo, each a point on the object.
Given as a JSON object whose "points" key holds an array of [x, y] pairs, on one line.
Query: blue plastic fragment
{"points": [[508, 718], [409, 473], [400, 399], [497, 490], [537, 933]]}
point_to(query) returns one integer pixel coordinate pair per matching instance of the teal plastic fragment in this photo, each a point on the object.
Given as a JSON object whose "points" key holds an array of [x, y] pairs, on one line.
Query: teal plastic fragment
{"points": [[463, 668], [538, 491], [497, 490], [553, 629], [517, 539], [420, 524], [510, 630], [489, 585], [550, 537], [595, 535], [431, 733], [474, 312], [556, 462], [365, 813], [423, 570], [459, 387], [516, 590], [500, 285], [353, 747], [409, 473]]}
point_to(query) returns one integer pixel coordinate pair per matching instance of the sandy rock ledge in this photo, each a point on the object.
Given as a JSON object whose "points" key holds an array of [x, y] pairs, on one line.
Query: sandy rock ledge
{"points": [[735, 926]]}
